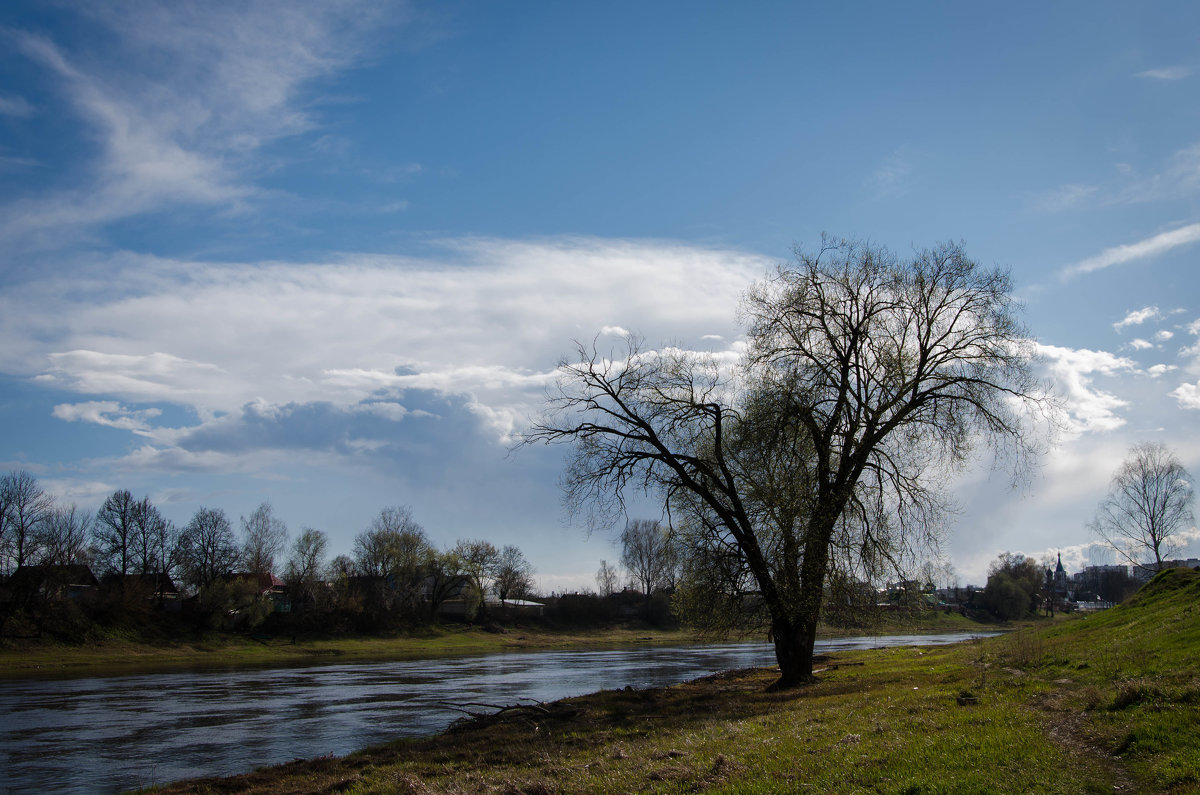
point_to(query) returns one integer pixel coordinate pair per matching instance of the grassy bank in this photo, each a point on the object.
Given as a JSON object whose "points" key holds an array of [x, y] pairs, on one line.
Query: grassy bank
{"points": [[115, 655], [1106, 703], [128, 652]]}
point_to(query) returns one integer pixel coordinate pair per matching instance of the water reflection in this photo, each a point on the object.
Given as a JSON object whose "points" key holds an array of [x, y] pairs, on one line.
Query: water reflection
{"points": [[113, 733]]}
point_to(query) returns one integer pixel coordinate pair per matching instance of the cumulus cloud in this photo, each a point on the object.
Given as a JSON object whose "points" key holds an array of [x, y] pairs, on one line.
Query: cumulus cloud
{"points": [[1188, 395], [1142, 249], [1139, 344], [1088, 408], [1160, 370], [1137, 317], [486, 323]]}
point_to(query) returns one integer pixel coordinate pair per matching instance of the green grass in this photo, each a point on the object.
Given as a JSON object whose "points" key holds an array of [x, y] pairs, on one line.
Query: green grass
{"points": [[1104, 703], [1134, 672]]}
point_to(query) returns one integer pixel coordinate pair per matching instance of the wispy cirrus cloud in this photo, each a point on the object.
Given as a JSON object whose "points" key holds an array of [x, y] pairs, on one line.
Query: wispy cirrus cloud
{"points": [[1066, 197], [1180, 178], [1131, 252], [1167, 73], [891, 178], [17, 106], [179, 97]]}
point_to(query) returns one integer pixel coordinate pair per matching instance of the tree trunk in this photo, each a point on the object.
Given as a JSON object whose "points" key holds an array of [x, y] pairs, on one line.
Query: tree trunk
{"points": [[795, 635], [794, 641]]}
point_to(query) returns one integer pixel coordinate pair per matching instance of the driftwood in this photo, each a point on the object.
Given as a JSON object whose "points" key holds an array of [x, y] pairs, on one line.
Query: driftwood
{"points": [[528, 713]]}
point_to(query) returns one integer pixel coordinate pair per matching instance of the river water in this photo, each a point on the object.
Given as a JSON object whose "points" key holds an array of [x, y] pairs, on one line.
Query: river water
{"points": [[120, 732]]}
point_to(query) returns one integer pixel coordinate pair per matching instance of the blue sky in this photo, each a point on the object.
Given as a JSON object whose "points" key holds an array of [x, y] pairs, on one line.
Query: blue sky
{"points": [[328, 254]]}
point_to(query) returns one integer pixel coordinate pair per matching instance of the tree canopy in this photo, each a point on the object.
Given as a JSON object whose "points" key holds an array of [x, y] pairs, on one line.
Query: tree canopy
{"points": [[865, 378], [1148, 503]]}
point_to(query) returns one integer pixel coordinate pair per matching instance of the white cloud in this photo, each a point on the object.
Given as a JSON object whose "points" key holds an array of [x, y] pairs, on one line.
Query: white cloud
{"points": [[1087, 408], [1119, 255], [1167, 73], [487, 322], [1188, 395], [179, 96], [108, 413], [1161, 369], [614, 331], [86, 494], [142, 377], [1137, 317], [1192, 352], [1163, 336], [1139, 344]]}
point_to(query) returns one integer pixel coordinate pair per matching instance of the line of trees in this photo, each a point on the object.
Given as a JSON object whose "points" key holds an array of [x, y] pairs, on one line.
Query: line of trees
{"points": [[393, 575]]}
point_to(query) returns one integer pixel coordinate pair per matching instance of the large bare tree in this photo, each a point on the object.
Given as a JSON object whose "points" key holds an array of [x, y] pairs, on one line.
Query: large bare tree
{"points": [[477, 560], [264, 538], [114, 530], [865, 379], [1149, 502], [152, 539], [395, 547], [65, 536], [648, 554], [208, 549], [306, 566], [512, 574], [607, 579], [24, 506]]}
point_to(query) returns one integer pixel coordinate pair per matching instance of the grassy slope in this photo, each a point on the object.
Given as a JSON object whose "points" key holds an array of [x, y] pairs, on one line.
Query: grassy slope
{"points": [[1135, 673], [1106, 703]]}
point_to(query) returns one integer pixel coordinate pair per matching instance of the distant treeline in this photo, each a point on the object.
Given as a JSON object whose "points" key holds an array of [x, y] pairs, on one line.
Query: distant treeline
{"points": [[62, 567]]}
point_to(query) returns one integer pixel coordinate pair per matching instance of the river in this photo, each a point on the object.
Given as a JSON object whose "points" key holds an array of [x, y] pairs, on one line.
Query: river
{"points": [[119, 732]]}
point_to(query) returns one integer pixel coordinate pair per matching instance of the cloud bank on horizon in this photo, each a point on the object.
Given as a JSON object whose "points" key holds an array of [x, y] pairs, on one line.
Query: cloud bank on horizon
{"points": [[331, 260]]}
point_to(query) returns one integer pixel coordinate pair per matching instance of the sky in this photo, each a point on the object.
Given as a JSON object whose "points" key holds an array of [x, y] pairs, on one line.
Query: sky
{"points": [[328, 254]]}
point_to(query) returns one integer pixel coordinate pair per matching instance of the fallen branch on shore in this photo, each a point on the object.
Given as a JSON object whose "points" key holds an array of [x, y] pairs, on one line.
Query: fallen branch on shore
{"points": [[499, 713]]}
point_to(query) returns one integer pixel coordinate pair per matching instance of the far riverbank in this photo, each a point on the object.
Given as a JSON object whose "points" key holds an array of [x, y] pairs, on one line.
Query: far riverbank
{"points": [[125, 654]]}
